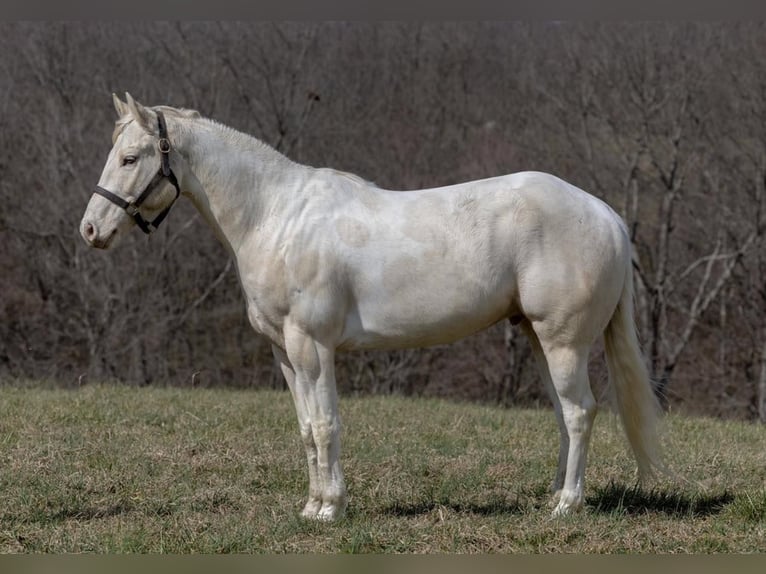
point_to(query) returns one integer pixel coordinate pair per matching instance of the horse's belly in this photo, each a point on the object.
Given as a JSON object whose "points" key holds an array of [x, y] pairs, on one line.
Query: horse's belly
{"points": [[421, 315]]}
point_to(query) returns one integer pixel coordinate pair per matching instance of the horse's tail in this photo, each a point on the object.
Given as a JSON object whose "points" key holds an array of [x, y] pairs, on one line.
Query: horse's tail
{"points": [[637, 404]]}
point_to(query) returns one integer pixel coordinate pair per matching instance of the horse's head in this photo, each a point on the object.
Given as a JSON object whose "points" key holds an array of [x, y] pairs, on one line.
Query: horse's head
{"points": [[137, 185]]}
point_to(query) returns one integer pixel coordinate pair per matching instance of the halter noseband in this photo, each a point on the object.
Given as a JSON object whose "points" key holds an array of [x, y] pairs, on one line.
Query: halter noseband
{"points": [[131, 207]]}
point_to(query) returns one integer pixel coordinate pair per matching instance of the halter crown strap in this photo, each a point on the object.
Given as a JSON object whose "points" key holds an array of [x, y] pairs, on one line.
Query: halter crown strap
{"points": [[164, 145], [164, 172]]}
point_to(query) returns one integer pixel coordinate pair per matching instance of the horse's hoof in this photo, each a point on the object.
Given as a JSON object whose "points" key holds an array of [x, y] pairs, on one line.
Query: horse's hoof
{"points": [[331, 512], [568, 503], [311, 510]]}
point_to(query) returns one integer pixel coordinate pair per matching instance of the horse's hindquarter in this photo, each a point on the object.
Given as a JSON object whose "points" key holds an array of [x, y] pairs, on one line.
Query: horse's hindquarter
{"points": [[574, 269]]}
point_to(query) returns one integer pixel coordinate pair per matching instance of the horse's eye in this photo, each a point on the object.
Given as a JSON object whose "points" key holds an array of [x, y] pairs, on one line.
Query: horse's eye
{"points": [[128, 159]]}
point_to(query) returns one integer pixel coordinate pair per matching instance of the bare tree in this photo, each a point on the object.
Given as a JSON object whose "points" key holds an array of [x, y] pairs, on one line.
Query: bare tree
{"points": [[662, 120], [638, 117]]}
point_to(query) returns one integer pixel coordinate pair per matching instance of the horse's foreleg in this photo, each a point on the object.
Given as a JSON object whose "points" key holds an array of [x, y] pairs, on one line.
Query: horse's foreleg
{"points": [[314, 367], [314, 502]]}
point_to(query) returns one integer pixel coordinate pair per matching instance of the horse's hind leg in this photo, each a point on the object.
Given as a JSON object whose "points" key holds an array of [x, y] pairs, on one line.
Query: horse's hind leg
{"points": [[545, 375], [568, 367]]}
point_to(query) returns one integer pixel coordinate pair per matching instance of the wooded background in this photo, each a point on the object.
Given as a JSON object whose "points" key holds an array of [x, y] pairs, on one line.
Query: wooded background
{"points": [[665, 121]]}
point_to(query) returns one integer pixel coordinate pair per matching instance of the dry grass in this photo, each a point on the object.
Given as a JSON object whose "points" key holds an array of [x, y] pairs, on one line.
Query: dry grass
{"points": [[117, 469]]}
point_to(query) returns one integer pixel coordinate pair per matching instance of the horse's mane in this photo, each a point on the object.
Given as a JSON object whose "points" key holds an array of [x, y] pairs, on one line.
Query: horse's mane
{"points": [[183, 113], [120, 124]]}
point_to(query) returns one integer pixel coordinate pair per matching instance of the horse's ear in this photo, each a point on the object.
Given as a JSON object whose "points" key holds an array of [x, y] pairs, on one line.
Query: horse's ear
{"points": [[144, 116], [120, 106]]}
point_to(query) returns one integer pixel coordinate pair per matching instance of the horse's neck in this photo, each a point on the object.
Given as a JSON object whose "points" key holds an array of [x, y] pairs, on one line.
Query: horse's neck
{"points": [[236, 179]]}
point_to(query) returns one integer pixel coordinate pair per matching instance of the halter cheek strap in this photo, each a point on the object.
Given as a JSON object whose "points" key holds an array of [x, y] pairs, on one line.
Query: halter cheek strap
{"points": [[164, 172]]}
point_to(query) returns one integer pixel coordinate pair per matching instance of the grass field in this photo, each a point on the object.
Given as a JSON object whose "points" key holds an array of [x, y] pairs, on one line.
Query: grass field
{"points": [[119, 469]]}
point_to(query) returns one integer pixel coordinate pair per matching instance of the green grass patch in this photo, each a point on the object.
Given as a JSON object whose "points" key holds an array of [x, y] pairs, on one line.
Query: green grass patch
{"points": [[158, 470]]}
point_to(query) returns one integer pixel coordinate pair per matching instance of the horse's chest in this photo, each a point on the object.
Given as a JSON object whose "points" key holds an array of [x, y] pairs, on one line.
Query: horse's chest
{"points": [[266, 320], [266, 295]]}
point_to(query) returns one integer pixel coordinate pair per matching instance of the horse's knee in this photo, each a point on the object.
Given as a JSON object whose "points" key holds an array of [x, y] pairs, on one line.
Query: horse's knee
{"points": [[307, 438], [325, 432]]}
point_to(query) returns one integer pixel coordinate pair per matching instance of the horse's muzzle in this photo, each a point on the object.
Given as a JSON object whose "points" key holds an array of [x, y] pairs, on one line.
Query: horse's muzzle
{"points": [[90, 234]]}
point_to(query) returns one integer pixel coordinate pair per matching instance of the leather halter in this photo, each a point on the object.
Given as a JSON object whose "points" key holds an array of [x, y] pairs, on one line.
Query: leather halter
{"points": [[164, 172]]}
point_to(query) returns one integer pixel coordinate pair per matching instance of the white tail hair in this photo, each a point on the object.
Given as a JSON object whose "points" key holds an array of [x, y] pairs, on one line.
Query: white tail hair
{"points": [[637, 403]]}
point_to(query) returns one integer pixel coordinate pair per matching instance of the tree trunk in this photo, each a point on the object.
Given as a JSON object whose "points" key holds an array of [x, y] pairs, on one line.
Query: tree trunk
{"points": [[761, 397]]}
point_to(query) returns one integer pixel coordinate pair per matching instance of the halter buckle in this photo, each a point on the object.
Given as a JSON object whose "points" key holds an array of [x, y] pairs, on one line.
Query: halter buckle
{"points": [[131, 209], [164, 145]]}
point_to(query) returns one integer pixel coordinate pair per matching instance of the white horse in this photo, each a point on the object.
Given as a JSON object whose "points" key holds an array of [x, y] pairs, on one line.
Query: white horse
{"points": [[329, 262]]}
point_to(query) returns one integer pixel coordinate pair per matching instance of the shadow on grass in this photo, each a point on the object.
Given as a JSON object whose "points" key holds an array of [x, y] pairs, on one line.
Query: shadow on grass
{"points": [[632, 500], [614, 498]]}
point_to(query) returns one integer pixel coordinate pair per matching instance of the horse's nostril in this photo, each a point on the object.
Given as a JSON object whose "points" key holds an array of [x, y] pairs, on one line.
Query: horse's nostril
{"points": [[90, 231]]}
